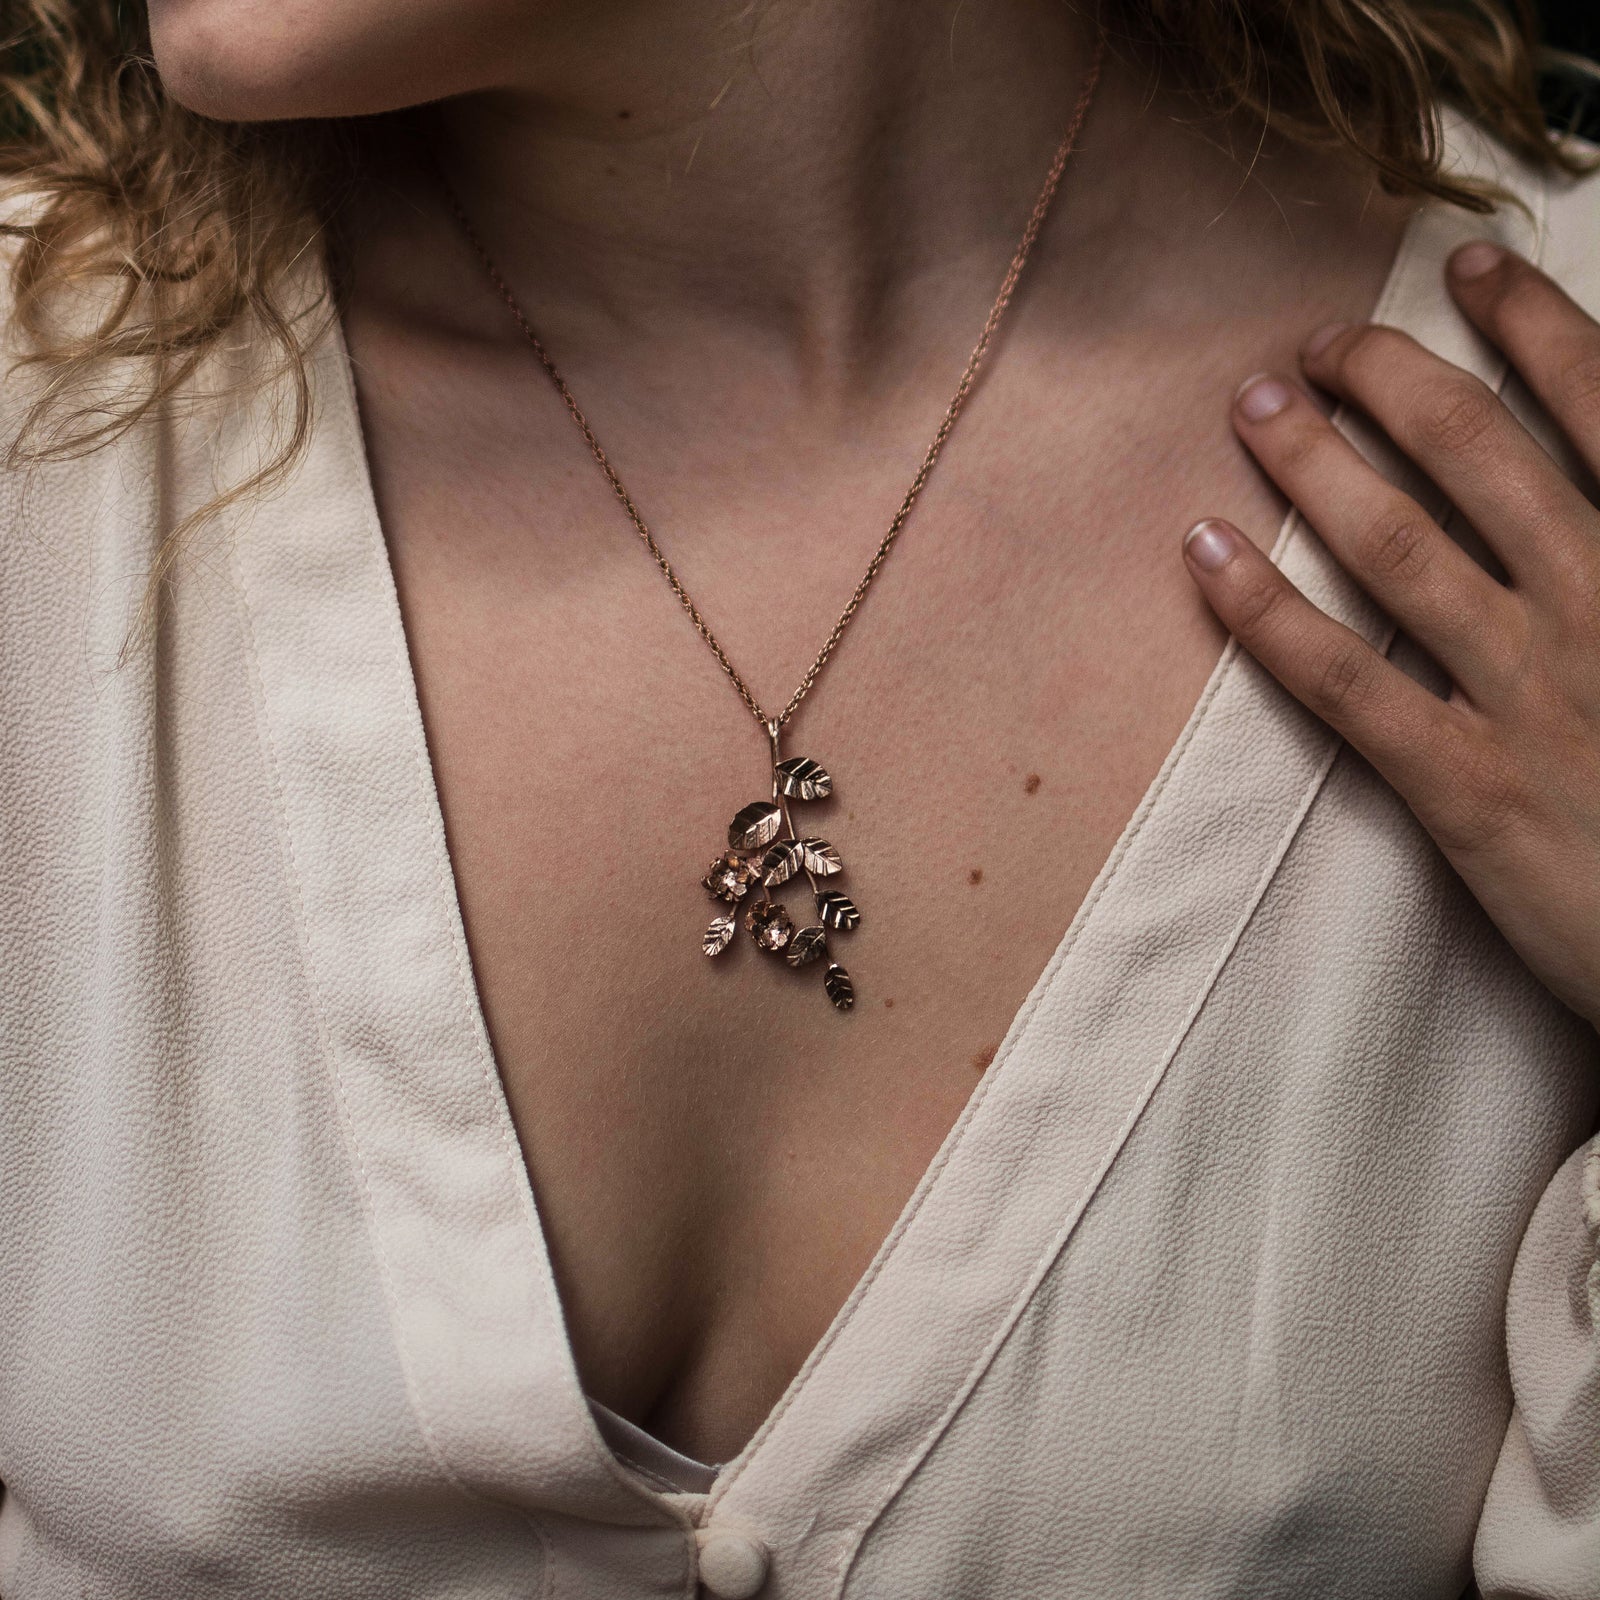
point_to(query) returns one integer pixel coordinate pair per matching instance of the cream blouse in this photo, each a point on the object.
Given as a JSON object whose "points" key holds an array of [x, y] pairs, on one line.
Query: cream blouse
{"points": [[1261, 1264]]}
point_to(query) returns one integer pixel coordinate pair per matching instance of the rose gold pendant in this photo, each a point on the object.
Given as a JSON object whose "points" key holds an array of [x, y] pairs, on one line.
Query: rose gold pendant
{"points": [[764, 852]]}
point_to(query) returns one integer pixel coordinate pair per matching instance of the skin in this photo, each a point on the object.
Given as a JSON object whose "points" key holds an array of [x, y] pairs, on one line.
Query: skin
{"points": [[760, 242]]}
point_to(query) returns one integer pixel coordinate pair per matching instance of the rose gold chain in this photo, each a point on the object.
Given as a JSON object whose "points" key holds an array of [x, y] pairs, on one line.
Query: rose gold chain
{"points": [[1008, 286]]}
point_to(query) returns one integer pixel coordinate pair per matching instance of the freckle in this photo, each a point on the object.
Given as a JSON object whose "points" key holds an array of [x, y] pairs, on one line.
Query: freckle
{"points": [[888, 1004], [622, 116], [981, 1061], [976, 875], [1030, 784], [611, 172]]}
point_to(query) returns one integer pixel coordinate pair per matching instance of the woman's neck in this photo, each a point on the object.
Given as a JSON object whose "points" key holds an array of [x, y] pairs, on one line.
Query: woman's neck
{"points": [[812, 169], [822, 196]]}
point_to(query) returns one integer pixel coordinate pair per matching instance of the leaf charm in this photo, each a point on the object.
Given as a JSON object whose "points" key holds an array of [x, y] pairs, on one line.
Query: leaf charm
{"points": [[802, 779], [718, 934], [840, 989], [820, 857], [837, 910], [782, 861], [806, 945], [756, 826]]}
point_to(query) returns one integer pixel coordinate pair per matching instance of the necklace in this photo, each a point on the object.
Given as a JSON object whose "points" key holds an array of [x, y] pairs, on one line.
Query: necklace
{"points": [[764, 849]]}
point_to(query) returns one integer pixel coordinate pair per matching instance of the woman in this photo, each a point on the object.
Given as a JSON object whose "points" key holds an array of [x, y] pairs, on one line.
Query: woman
{"points": [[1187, 1190]]}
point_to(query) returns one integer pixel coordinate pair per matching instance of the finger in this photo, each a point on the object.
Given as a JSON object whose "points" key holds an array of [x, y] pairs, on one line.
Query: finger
{"points": [[1470, 623], [1405, 731], [1547, 336], [1455, 428]]}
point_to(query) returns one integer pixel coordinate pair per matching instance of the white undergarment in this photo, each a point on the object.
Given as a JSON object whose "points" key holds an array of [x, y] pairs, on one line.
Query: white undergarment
{"points": [[666, 1467]]}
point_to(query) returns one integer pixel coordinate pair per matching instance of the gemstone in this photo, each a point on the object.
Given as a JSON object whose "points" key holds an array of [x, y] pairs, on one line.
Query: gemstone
{"points": [[730, 877], [770, 924]]}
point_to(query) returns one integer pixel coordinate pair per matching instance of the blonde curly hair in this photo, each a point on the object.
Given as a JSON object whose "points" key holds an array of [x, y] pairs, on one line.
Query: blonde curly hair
{"points": [[186, 226]]}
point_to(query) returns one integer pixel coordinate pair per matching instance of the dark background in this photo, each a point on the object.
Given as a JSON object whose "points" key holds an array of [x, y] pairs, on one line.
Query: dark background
{"points": [[1572, 25], [1572, 98]]}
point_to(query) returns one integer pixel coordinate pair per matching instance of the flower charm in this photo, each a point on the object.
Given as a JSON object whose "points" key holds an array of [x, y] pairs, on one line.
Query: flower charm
{"points": [[770, 924], [730, 876], [766, 851]]}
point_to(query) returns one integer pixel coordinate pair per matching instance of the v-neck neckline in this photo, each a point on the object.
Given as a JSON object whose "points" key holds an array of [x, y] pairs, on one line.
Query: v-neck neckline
{"points": [[466, 1267]]}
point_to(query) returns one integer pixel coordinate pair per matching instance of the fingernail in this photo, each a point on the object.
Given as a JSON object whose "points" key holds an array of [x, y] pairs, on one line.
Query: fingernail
{"points": [[1476, 259], [1323, 337], [1209, 544], [1261, 397]]}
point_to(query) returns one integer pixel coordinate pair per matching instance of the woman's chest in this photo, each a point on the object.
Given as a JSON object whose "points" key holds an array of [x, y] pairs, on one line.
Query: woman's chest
{"points": [[270, 1247], [1211, 1285], [716, 1151]]}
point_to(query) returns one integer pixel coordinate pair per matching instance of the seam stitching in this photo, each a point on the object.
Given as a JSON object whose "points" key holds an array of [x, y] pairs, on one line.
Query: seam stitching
{"points": [[1009, 1045], [466, 995], [324, 1035], [1294, 526], [1053, 1251]]}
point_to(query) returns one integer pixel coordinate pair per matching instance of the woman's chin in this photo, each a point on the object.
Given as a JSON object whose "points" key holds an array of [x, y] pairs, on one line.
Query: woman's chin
{"points": [[258, 61]]}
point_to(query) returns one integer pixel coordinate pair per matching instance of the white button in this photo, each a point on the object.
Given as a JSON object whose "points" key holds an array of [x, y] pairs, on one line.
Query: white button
{"points": [[733, 1566]]}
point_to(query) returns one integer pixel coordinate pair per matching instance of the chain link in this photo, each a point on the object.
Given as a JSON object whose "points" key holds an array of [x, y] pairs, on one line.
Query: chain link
{"points": [[1008, 286]]}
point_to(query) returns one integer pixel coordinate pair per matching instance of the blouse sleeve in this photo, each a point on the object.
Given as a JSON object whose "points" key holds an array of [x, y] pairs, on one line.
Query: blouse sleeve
{"points": [[1539, 1535]]}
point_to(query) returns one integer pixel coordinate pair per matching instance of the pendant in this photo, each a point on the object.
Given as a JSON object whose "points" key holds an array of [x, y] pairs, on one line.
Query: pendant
{"points": [[764, 852]]}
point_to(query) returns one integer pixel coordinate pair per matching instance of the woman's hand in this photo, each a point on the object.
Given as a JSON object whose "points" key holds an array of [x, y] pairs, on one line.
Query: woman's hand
{"points": [[1505, 773]]}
